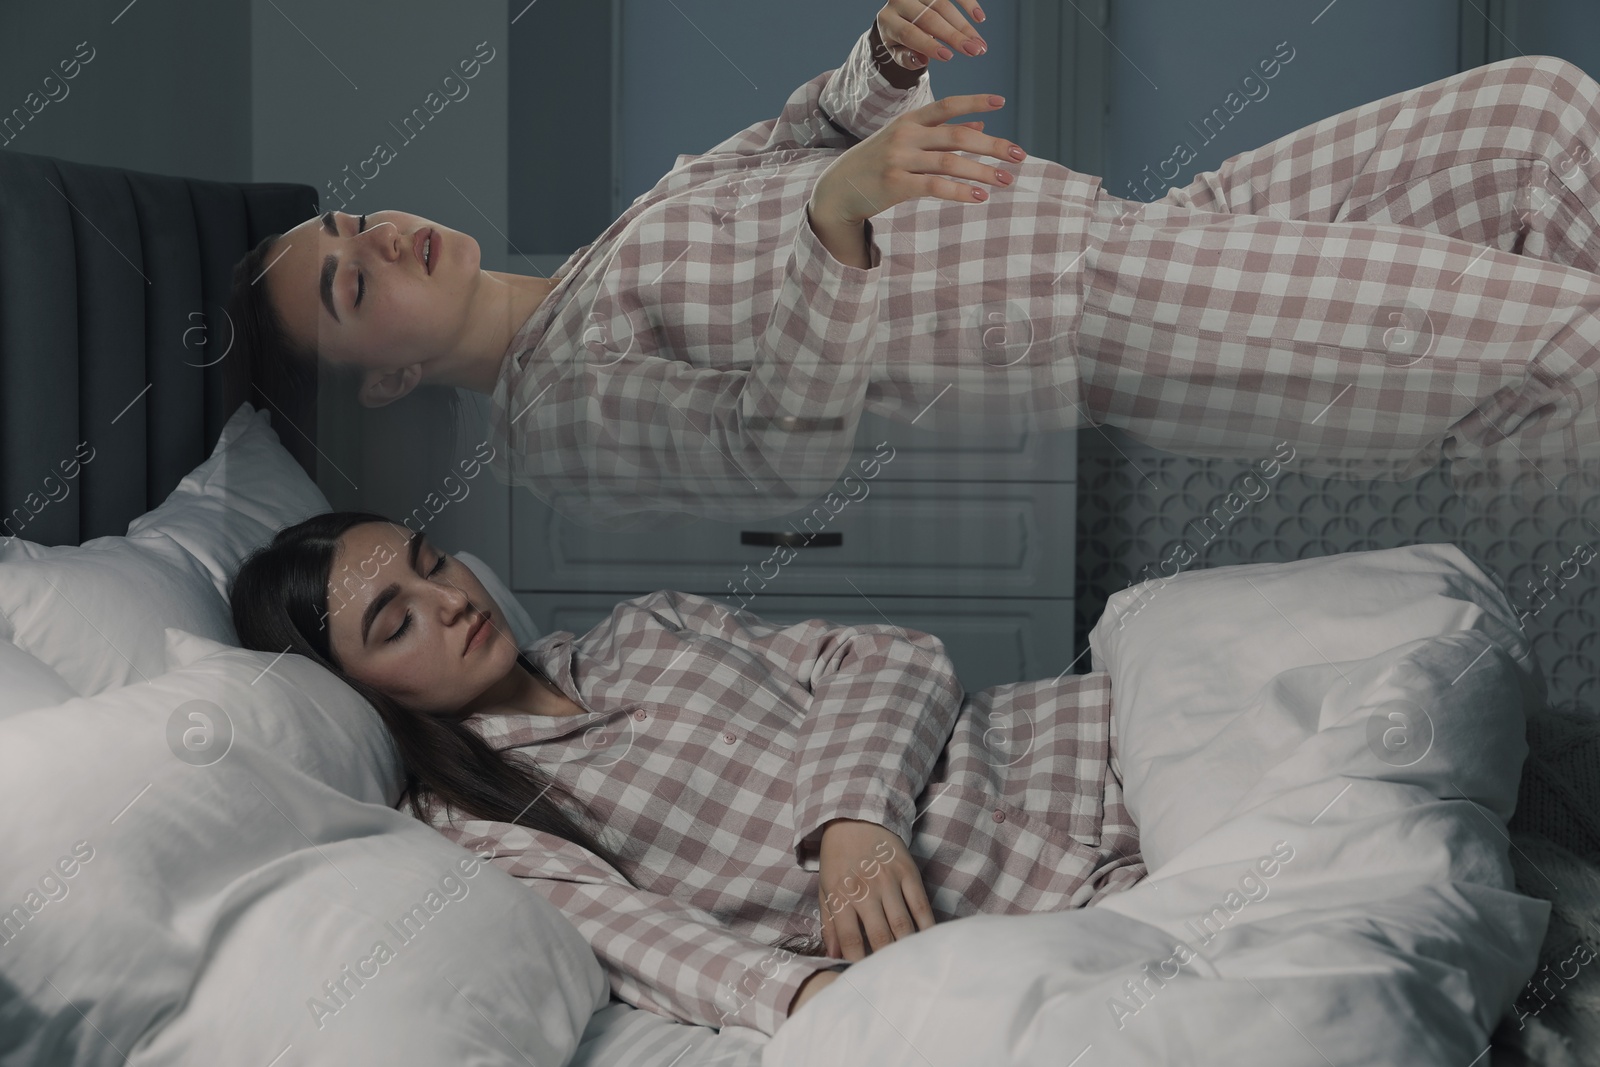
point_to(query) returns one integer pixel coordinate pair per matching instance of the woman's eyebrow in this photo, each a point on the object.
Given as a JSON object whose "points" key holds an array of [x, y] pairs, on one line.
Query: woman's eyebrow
{"points": [[390, 591], [330, 264]]}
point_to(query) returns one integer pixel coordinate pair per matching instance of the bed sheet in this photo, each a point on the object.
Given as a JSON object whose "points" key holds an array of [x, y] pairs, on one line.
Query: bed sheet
{"points": [[621, 1035]]}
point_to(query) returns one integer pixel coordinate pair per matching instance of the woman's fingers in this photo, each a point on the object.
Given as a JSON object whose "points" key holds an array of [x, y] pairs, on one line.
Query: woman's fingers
{"points": [[897, 920], [899, 911], [944, 109], [916, 898], [848, 932], [928, 27], [869, 912]]}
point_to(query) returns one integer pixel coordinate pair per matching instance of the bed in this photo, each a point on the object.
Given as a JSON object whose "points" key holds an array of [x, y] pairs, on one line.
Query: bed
{"points": [[205, 864]]}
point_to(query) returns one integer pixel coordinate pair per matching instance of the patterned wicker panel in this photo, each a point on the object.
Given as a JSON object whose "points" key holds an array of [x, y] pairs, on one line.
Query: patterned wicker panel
{"points": [[1137, 505]]}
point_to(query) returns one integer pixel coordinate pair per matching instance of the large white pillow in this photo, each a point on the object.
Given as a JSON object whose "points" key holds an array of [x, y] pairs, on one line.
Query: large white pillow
{"points": [[300, 712], [236, 500], [95, 613], [26, 683], [183, 901], [1210, 642]]}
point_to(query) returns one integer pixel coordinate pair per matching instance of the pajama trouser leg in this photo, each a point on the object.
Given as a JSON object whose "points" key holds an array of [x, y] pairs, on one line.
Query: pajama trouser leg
{"points": [[1505, 155], [1263, 308]]}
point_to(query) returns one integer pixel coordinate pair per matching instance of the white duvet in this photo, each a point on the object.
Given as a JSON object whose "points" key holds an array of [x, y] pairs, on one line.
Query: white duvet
{"points": [[1321, 757]]}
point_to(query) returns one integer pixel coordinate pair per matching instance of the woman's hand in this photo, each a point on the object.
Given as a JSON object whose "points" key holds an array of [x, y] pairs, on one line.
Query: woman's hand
{"points": [[913, 29], [907, 159], [868, 880]]}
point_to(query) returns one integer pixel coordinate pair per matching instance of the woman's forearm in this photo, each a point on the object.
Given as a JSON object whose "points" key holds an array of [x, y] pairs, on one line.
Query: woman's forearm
{"points": [[845, 241]]}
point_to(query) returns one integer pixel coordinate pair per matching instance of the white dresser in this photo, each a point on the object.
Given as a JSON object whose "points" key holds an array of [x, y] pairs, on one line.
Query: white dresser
{"points": [[973, 541]]}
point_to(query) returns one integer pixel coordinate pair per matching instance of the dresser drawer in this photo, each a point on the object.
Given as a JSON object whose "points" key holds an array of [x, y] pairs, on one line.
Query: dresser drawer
{"points": [[1025, 455], [929, 538]]}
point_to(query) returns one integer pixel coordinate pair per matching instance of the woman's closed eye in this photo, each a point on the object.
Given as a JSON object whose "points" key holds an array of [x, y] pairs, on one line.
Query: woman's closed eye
{"points": [[361, 281], [405, 624]]}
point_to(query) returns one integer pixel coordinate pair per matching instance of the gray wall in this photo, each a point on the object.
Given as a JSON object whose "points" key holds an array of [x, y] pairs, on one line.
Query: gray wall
{"points": [[634, 83], [1566, 28], [332, 81], [1175, 60], [694, 72], [165, 88]]}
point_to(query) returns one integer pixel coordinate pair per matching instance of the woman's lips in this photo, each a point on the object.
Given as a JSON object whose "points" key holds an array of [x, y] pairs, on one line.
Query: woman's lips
{"points": [[417, 242], [479, 635]]}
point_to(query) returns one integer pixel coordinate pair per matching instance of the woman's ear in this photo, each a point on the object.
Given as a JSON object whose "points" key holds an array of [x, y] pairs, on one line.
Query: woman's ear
{"points": [[379, 388]]}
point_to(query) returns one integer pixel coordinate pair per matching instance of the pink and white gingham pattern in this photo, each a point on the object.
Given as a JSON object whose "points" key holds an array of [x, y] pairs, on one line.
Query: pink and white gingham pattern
{"points": [[716, 746], [1402, 283], [1406, 281], [706, 355]]}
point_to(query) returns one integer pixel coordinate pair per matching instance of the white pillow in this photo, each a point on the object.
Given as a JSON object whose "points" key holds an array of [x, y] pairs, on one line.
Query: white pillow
{"points": [[95, 613], [237, 500], [201, 904], [302, 713], [25, 683], [1210, 641], [516, 616]]}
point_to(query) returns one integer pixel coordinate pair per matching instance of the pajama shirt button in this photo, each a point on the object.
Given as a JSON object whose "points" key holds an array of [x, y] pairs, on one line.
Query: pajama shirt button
{"points": [[729, 739], [638, 716], [999, 816]]}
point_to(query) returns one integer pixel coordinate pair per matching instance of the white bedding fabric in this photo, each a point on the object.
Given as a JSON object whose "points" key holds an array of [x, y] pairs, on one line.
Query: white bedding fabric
{"points": [[1263, 717], [27, 683], [94, 613], [620, 1035], [204, 869], [201, 865], [1387, 931]]}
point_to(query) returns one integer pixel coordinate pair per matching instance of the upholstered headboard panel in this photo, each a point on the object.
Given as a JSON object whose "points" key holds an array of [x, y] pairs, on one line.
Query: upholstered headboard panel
{"points": [[113, 337]]}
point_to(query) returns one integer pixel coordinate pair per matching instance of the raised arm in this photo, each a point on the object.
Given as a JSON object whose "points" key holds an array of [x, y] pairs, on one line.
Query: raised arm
{"points": [[837, 108]]}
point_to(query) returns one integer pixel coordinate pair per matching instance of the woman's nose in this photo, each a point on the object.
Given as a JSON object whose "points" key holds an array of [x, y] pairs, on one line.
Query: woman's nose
{"points": [[457, 604], [388, 240]]}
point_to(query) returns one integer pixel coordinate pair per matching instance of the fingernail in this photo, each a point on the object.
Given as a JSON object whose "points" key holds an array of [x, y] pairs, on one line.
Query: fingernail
{"points": [[978, 14], [946, 55]]}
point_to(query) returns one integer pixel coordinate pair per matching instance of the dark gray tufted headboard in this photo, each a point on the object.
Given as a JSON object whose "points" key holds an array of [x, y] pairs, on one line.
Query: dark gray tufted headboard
{"points": [[112, 337]]}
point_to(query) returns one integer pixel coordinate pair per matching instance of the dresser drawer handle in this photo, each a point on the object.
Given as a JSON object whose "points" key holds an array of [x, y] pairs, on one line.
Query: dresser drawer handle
{"points": [[791, 540]]}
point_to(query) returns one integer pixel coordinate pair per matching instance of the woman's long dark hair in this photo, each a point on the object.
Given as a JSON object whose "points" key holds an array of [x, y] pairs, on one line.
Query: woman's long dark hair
{"points": [[280, 600]]}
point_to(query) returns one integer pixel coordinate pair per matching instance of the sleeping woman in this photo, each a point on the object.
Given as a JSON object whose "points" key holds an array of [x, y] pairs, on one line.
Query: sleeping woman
{"points": [[776, 802], [1403, 283]]}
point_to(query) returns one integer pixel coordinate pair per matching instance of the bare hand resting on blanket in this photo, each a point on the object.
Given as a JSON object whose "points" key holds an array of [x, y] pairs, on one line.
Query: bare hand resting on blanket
{"points": [[869, 889]]}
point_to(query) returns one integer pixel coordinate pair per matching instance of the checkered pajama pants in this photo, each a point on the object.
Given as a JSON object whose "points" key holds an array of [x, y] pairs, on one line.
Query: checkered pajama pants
{"points": [[1408, 281]]}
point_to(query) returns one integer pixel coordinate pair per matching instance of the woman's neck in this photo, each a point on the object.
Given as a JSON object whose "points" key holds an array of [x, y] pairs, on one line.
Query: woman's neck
{"points": [[504, 305], [524, 692]]}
